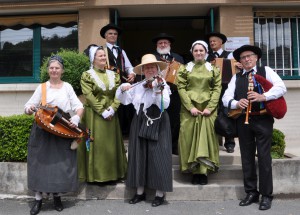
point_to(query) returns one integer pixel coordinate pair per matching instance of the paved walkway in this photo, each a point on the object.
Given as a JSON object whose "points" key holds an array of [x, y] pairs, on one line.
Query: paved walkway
{"points": [[119, 207]]}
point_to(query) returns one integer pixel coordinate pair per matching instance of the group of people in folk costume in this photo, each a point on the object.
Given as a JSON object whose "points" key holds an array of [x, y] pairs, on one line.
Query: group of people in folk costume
{"points": [[164, 118]]}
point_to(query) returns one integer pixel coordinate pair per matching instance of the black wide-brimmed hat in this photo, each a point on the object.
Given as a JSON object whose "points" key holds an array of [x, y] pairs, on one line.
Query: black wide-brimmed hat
{"points": [[237, 53], [217, 34], [163, 36], [109, 26]]}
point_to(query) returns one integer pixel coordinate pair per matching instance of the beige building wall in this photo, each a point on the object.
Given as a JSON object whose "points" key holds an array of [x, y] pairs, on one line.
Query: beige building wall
{"points": [[89, 24], [236, 21]]}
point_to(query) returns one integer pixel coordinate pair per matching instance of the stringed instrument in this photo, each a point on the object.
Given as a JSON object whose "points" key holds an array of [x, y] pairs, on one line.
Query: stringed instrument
{"points": [[56, 121]]}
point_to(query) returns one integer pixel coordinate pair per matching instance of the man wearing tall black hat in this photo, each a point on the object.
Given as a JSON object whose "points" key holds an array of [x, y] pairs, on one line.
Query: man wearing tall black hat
{"points": [[216, 40], [118, 61], [255, 128], [163, 52], [117, 57]]}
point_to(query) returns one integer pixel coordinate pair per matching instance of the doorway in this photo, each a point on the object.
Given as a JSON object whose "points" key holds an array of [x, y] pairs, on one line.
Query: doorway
{"points": [[137, 35]]}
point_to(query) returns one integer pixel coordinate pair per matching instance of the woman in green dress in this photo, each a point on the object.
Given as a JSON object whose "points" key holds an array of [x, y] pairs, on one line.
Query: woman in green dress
{"points": [[104, 159], [199, 87]]}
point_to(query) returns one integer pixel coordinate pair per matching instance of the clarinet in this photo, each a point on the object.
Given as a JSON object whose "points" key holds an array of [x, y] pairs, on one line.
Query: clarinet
{"points": [[250, 88]]}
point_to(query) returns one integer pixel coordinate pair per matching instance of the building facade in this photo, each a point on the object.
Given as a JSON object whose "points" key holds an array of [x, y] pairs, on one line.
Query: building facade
{"points": [[33, 29]]}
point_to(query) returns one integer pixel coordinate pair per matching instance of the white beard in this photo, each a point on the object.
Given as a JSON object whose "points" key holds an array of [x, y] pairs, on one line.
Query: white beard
{"points": [[164, 51]]}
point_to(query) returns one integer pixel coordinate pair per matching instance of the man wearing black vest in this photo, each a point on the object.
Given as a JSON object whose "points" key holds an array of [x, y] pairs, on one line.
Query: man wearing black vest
{"points": [[118, 61], [163, 52], [216, 40], [257, 134]]}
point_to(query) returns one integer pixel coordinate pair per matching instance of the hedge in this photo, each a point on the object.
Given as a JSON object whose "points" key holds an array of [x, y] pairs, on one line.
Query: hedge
{"points": [[14, 132]]}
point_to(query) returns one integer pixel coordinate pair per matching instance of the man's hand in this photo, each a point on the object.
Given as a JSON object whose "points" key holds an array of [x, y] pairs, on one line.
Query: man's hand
{"points": [[131, 77], [243, 103], [256, 97]]}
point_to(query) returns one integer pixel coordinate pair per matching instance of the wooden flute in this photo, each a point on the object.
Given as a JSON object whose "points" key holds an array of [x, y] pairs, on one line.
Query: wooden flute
{"points": [[250, 88]]}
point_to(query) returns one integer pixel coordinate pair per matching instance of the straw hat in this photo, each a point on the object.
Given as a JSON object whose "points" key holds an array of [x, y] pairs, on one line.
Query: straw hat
{"points": [[147, 59]]}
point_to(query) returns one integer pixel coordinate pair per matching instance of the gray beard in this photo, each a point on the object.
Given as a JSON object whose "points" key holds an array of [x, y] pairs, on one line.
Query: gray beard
{"points": [[163, 51]]}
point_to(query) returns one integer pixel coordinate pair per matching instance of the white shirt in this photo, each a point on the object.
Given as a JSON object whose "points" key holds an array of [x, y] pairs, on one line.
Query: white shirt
{"points": [[220, 51], [275, 92], [140, 95], [128, 66], [65, 98]]}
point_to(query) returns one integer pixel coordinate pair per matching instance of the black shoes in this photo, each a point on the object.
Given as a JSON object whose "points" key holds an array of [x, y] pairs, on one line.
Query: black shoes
{"points": [[137, 198], [250, 198], [195, 178], [229, 145], [57, 203], [203, 179], [158, 201], [265, 203], [229, 149], [36, 207], [199, 179]]}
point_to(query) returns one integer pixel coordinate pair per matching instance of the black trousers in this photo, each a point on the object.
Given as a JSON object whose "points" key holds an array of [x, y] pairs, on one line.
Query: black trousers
{"points": [[174, 114], [257, 135], [125, 114]]}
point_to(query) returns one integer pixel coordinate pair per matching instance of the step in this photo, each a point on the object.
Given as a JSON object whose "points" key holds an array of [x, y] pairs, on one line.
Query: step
{"points": [[214, 190], [225, 172], [225, 159]]}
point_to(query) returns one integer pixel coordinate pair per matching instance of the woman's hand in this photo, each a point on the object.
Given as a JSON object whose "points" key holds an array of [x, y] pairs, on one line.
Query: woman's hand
{"points": [[74, 121], [125, 87], [30, 110], [205, 112], [195, 112]]}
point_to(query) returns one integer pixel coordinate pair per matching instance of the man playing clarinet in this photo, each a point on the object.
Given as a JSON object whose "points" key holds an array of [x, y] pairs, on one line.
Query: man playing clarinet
{"points": [[256, 133]]}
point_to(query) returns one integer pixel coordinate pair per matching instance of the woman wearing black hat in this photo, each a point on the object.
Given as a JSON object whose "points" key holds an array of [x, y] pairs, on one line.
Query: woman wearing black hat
{"points": [[255, 133], [52, 164]]}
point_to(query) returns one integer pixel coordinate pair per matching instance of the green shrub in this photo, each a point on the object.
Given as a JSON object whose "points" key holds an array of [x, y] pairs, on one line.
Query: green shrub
{"points": [[14, 132], [75, 64], [278, 144]]}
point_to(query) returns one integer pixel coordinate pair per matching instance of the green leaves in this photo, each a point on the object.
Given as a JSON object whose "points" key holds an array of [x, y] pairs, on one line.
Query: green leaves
{"points": [[278, 144], [14, 132], [75, 64]]}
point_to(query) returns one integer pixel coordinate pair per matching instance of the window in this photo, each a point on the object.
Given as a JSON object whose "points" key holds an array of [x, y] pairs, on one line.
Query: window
{"points": [[23, 47], [279, 38]]}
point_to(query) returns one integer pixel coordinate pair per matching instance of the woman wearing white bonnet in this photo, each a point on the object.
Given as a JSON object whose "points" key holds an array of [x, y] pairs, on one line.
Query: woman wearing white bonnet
{"points": [[199, 88], [103, 160]]}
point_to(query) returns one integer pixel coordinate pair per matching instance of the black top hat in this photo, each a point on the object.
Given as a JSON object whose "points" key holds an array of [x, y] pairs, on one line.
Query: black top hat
{"points": [[239, 51], [163, 36], [217, 34], [109, 26]]}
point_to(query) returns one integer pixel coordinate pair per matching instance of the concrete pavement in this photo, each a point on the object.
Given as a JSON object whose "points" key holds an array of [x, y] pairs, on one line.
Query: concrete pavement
{"points": [[121, 207]]}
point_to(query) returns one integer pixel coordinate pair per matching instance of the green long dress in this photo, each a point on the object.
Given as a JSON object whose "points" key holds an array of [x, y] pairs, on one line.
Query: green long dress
{"points": [[106, 160], [199, 85]]}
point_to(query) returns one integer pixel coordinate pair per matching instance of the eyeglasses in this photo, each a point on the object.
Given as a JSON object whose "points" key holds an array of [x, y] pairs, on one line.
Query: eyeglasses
{"points": [[246, 56]]}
